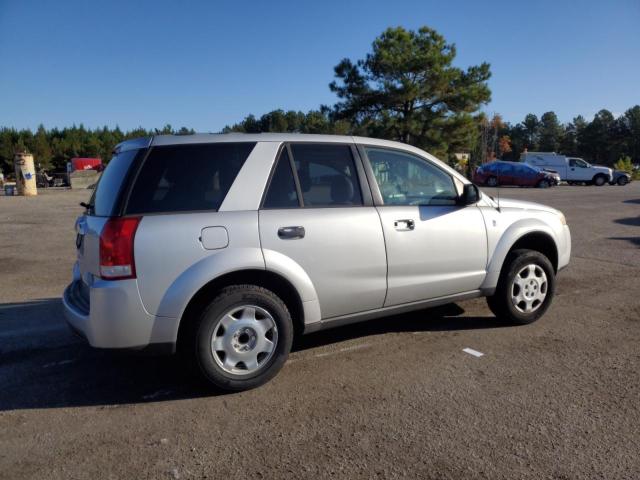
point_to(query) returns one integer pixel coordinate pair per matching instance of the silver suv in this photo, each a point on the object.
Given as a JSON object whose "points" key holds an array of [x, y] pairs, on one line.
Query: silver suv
{"points": [[225, 246]]}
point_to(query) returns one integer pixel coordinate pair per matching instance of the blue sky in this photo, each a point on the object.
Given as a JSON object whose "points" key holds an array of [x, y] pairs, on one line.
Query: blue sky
{"points": [[208, 64]]}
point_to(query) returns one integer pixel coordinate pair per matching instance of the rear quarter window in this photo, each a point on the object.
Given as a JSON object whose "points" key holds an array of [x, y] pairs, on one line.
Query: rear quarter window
{"points": [[182, 178], [105, 196]]}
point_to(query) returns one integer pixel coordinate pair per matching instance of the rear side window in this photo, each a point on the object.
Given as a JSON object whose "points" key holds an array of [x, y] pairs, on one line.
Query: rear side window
{"points": [[282, 189], [327, 175], [182, 178], [106, 193]]}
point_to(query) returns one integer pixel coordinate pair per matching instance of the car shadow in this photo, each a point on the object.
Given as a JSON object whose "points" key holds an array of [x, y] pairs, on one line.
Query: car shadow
{"points": [[632, 200], [633, 240], [44, 365], [631, 221]]}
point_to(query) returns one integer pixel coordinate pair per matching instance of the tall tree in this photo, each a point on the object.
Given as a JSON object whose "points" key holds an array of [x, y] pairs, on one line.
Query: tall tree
{"points": [[531, 127], [597, 137], [407, 89], [550, 132]]}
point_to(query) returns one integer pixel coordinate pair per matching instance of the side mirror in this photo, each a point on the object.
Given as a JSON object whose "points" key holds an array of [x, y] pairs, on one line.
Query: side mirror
{"points": [[470, 194]]}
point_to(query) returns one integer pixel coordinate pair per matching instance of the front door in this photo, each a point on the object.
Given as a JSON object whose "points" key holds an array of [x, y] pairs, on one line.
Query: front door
{"points": [[320, 220], [578, 170], [435, 247]]}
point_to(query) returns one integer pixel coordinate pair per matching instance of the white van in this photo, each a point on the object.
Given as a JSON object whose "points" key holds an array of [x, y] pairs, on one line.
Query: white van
{"points": [[570, 169]]}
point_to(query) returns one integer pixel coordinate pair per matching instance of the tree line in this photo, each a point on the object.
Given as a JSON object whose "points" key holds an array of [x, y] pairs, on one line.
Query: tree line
{"points": [[405, 89]]}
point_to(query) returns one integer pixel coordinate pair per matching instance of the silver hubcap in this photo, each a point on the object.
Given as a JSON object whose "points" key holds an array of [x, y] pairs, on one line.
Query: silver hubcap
{"points": [[244, 339], [529, 288]]}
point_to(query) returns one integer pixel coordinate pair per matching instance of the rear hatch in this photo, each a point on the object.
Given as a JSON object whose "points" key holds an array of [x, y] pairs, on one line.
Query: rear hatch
{"points": [[106, 202]]}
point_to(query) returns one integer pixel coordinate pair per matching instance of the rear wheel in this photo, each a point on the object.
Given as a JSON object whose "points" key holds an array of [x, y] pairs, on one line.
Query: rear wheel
{"points": [[492, 181], [622, 181], [599, 180], [242, 338], [525, 288]]}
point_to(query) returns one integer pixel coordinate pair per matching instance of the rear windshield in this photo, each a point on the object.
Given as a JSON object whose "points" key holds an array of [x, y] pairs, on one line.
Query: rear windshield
{"points": [[112, 179], [183, 178]]}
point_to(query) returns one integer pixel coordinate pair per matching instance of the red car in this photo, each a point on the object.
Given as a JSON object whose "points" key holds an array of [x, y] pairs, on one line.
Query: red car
{"points": [[511, 173]]}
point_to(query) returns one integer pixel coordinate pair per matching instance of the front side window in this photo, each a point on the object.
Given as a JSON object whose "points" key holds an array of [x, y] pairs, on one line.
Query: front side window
{"points": [[327, 175], [576, 162], [182, 178], [405, 179]]}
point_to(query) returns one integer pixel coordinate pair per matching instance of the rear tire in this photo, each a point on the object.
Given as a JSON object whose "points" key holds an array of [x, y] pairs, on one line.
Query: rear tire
{"points": [[599, 180], [525, 288], [242, 338]]}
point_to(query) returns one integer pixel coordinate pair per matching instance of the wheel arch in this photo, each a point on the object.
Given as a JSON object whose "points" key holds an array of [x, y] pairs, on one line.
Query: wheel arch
{"points": [[532, 235], [273, 281]]}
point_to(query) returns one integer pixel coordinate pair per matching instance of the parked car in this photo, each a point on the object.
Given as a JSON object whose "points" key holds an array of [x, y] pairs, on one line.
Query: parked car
{"points": [[555, 176], [620, 177], [500, 173], [223, 247], [572, 170]]}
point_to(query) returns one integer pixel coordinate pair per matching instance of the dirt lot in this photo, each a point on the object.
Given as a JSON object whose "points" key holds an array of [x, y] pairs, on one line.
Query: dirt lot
{"points": [[396, 397]]}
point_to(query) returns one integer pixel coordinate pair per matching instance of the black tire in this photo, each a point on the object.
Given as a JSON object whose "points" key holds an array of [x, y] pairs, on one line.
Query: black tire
{"points": [[202, 331], [599, 180], [544, 184], [500, 302], [622, 181], [492, 181]]}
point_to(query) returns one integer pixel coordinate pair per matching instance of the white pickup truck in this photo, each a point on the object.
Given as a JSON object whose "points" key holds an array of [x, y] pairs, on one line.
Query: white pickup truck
{"points": [[570, 169]]}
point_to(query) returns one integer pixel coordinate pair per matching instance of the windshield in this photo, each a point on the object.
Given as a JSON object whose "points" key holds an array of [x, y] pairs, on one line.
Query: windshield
{"points": [[106, 193]]}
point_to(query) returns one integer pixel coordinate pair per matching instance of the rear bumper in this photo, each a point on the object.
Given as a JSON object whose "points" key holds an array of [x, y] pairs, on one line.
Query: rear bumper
{"points": [[113, 316]]}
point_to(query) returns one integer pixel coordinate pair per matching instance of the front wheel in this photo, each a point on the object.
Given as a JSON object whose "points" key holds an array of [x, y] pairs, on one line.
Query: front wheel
{"points": [[492, 181], [622, 181], [525, 288], [242, 338], [544, 184]]}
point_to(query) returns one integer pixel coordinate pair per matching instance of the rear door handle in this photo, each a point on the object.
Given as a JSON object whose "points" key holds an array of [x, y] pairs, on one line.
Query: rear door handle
{"points": [[291, 233], [404, 225]]}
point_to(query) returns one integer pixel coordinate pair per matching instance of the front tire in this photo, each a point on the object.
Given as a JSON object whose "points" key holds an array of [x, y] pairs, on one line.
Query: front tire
{"points": [[492, 181], [544, 184], [242, 338], [622, 181], [525, 288]]}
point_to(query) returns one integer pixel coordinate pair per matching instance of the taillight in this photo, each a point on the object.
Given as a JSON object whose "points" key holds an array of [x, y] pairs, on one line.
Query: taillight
{"points": [[116, 248]]}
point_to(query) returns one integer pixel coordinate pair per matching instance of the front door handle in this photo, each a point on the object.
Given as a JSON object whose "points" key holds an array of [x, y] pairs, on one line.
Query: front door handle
{"points": [[291, 233], [404, 225]]}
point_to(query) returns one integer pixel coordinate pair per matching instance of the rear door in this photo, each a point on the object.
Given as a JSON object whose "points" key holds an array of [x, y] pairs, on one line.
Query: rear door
{"points": [[507, 174], [435, 247], [318, 213]]}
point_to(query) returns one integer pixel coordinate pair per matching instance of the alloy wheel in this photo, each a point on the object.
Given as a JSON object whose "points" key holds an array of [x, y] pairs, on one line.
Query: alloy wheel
{"points": [[529, 288]]}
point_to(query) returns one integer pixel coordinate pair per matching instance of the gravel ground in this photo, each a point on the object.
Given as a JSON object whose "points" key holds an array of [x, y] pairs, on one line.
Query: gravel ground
{"points": [[395, 397]]}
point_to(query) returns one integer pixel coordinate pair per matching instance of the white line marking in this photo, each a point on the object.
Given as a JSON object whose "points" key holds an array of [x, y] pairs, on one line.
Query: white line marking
{"points": [[473, 352], [159, 393], [55, 364], [342, 350]]}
